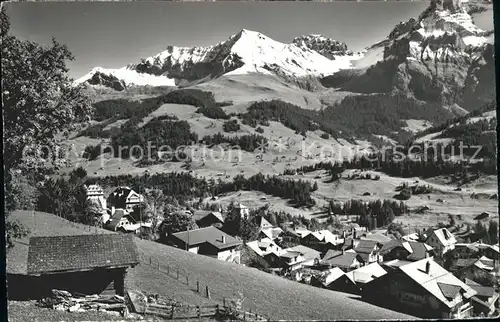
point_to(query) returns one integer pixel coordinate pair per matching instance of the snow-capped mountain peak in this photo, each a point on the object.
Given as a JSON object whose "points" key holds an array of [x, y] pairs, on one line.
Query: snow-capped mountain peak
{"points": [[245, 52]]}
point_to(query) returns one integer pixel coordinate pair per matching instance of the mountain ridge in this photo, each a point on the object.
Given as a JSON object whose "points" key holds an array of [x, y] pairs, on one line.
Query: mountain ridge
{"points": [[245, 52]]}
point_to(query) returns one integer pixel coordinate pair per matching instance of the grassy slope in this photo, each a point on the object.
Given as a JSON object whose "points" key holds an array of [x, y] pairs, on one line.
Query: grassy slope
{"points": [[264, 293], [456, 202]]}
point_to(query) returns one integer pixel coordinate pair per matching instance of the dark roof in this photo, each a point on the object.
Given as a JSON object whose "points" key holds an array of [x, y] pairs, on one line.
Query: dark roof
{"points": [[481, 290], [209, 235], [365, 246], [390, 246], [449, 290], [331, 253], [212, 215], [116, 217], [464, 262], [419, 251], [80, 252], [344, 260]]}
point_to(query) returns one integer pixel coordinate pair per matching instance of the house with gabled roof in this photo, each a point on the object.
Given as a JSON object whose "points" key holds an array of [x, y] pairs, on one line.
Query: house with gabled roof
{"points": [[366, 274], [298, 256], [125, 198], [121, 220], [208, 218], [265, 246], [424, 289], [441, 240], [368, 250], [473, 268], [346, 261], [336, 280], [262, 223], [85, 264], [208, 241], [322, 240], [274, 233], [465, 250], [486, 299], [406, 250]]}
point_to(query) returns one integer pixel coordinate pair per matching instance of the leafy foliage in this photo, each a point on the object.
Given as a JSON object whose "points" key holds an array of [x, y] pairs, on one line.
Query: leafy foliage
{"points": [[154, 134], [39, 99], [175, 222], [248, 143], [231, 126]]}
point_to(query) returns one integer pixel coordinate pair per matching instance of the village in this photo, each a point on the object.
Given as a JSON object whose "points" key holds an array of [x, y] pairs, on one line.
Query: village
{"points": [[431, 274]]}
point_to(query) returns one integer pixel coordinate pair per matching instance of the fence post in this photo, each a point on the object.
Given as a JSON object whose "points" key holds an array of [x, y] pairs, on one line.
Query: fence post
{"points": [[208, 292], [158, 265], [172, 315], [198, 286], [198, 311], [244, 315], [150, 261], [168, 269], [217, 309], [177, 273], [224, 302]]}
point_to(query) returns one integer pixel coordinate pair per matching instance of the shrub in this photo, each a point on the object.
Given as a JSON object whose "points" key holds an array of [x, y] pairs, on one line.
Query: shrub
{"points": [[325, 136], [405, 194], [213, 112], [259, 129], [231, 126]]}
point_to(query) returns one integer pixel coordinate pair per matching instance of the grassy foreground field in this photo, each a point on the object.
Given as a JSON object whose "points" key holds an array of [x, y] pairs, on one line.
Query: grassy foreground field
{"points": [[265, 294]]}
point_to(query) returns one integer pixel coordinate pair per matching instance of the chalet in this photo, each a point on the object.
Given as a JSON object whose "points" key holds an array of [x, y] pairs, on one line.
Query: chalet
{"points": [[262, 223], [465, 250], [241, 210], [366, 274], [274, 233], [441, 240], [424, 289], [378, 237], [336, 280], [121, 220], [486, 299], [85, 264], [475, 269], [264, 246], [368, 250], [350, 243], [125, 198], [291, 236], [298, 256], [322, 240], [490, 251], [301, 231], [406, 250], [208, 241], [347, 261], [95, 194], [211, 218]]}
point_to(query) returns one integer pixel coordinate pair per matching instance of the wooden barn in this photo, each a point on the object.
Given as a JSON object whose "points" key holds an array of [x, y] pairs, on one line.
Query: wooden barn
{"points": [[82, 264]]}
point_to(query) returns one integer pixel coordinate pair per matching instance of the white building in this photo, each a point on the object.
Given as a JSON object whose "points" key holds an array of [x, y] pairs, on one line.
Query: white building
{"points": [[96, 195]]}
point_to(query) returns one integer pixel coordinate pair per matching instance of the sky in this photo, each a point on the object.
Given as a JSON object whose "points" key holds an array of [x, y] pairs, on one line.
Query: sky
{"points": [[112, 35]]}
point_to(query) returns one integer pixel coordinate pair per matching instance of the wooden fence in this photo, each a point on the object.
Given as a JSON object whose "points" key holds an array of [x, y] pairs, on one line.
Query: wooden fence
{"points": [[170, 311], [167, 309]]}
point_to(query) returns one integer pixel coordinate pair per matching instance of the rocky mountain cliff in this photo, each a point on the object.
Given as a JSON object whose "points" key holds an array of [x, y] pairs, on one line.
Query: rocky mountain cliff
{"points": [[441, 57]]}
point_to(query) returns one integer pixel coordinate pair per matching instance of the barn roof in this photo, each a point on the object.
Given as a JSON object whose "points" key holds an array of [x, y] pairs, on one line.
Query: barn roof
{"points": [[81, 252]]}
